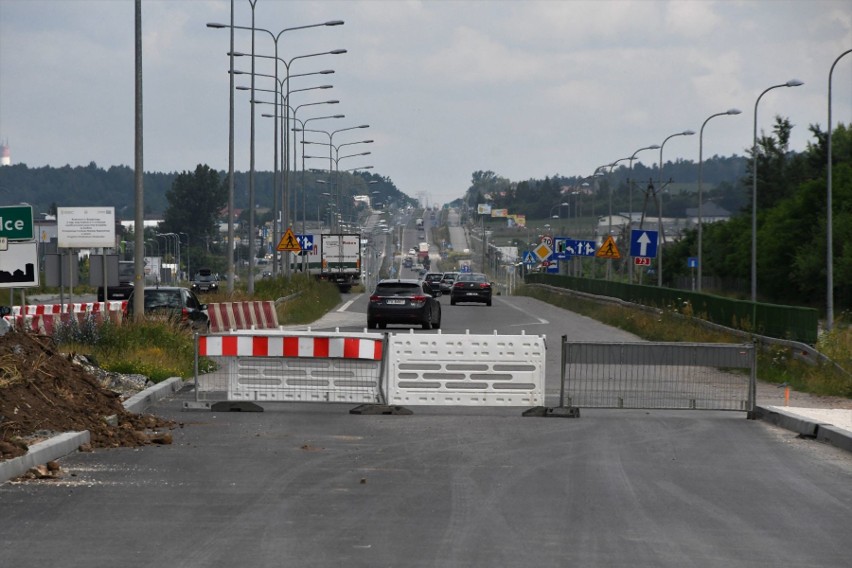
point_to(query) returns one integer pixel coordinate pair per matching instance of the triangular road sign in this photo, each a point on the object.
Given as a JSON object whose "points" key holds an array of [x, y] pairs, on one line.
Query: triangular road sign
{"points": [[608, 249], [289, 242]]}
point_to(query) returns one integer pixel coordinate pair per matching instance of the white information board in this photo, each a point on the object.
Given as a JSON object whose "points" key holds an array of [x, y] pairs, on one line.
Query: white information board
{"points": [[85, 227]]}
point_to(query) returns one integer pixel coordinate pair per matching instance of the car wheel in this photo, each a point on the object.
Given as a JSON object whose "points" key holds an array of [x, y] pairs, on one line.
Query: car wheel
{"points": [[371, 324], [452, 301], [427, 323], [437, 324], [488, 303]]}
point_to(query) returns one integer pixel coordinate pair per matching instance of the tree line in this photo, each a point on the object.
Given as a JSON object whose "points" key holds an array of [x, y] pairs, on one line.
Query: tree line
{"points": [[791, 213]]}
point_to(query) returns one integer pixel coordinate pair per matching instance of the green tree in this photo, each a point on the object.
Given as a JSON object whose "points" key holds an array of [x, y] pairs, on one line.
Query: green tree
{"points": [[195, 202]]}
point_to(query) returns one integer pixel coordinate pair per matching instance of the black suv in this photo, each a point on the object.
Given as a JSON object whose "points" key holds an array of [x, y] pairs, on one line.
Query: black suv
{"points": [[178, 305], [403, 301]]}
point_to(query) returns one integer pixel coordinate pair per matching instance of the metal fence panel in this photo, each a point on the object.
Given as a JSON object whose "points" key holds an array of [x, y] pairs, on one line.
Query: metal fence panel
{"points": [[707, 376]]}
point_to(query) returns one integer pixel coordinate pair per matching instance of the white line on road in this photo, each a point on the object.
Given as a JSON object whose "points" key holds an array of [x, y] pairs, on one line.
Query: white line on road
{"points": [[540, 320], [345, 306]]}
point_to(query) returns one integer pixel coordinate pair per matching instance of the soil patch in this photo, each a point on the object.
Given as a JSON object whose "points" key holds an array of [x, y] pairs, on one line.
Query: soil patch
{"points": [[44, 392]]}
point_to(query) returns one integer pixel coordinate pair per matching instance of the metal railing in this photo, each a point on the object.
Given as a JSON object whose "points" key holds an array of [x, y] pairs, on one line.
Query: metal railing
{"points": [[704, 376]]}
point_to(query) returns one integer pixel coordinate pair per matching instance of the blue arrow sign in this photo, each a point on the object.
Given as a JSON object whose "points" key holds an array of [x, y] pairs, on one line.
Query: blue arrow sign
{"points": [[643, 243], [574, 247], [306, 241]]}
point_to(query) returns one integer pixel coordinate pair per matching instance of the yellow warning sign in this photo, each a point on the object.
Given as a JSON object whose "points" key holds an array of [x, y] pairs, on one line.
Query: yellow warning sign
{"points": [[608, 249], [289, 242]]}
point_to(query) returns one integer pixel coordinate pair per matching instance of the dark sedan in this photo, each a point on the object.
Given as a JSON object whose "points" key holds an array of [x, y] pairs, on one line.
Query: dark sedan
{"points": [[178, 305], [403, 301], [471, 287]]}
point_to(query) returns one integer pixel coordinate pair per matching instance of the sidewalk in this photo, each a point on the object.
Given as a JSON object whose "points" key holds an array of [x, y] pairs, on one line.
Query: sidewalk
{"points": [[830, 425]]}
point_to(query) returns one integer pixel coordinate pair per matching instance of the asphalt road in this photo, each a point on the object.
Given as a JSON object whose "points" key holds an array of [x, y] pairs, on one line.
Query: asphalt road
{"points": [[312, 485]]}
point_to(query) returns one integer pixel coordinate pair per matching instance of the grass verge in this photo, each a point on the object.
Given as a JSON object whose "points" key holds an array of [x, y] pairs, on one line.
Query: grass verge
{"points": [[774, 365], [160, 350]]}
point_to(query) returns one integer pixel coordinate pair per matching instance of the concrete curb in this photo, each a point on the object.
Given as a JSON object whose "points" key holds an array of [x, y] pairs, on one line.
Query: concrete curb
{"points": [[63, 444], [805, 427], [43, 452], [141, 400]]}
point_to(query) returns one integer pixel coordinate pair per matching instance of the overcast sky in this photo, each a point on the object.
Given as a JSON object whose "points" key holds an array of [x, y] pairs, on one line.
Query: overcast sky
{"points": [[525, 89]]}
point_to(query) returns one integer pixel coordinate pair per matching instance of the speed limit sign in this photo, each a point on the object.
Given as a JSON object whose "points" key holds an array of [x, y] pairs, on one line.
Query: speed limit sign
{"points": [[548, 240]]}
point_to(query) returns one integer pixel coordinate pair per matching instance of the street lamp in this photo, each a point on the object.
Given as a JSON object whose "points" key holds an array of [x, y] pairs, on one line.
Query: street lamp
{"points": [[275, 37], [829, 304], [331, 144], [790, 83], [284, 212], [560, 205], [661, 236], [630, 201], [732, 111]]}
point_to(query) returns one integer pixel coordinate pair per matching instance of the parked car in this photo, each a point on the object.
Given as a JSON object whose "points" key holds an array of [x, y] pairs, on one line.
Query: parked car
{"points": [[205, 281], [175, 304], [447, 281], [471, 287], [403, 301]]}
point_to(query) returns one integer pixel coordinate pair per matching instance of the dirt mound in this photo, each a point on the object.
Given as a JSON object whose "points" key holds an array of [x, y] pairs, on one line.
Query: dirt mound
{"points": [[44, 392]]}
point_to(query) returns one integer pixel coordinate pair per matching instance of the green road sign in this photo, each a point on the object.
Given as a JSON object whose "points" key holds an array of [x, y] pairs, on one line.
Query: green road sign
{"points": [[16, 222]]}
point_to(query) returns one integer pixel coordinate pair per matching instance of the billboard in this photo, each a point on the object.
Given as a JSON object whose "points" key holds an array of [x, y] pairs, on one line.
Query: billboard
{"points": [[85, 227]]}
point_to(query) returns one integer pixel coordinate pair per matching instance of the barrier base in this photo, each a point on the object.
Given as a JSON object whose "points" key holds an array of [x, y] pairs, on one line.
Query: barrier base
{"points": [[374, 409], [193, 405], [235, 406], [553, 412]]}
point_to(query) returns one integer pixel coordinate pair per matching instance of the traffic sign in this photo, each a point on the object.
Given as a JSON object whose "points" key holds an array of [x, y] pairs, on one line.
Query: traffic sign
{"points": [[16, 222], [643, 243], [529, 257], [306, 242], [19, 265], [542, 251], [560, 248], [289, 242], [692, 262], [575, 247], [608, 249], [642, 260]]}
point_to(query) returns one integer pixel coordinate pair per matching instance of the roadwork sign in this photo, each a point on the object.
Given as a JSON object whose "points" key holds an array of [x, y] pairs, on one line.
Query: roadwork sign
{"points": [[608, 249]]}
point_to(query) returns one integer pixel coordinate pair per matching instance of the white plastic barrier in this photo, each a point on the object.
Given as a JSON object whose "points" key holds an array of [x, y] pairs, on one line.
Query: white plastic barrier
{"points": [[471, 370], [282, 366]]}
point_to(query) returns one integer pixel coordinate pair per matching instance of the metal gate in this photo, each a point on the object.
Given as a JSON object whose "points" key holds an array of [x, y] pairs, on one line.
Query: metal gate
{"points": [[649, 375]]}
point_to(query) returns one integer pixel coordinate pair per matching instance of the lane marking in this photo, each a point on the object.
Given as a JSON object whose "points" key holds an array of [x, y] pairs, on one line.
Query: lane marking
{"points": [[345, 306], [540, 320]]}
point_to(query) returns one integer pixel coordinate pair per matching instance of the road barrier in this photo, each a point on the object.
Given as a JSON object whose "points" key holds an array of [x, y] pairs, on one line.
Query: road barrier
{"points": [[230, 316], [281, 366], [656, 375], [44, 318], [466, 369]]}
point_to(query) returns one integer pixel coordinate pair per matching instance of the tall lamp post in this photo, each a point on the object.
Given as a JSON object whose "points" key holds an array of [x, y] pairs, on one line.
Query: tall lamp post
{"points": [[829, 300], [790, 83], [275, 37], [630, 201], [732, 111], [661, 235], [331, 144]]}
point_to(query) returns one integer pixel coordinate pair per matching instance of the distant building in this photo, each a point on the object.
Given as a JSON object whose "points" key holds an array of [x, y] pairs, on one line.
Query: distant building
{"points": [[5, 154]]}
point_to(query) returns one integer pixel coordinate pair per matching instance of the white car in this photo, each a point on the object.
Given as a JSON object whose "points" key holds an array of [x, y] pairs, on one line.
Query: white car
{"points": [[412, 251]]}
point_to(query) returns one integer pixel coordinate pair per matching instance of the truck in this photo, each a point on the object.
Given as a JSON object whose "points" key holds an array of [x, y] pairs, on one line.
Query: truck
{"points": [[126, 275], [334, 257], [423, 252]]}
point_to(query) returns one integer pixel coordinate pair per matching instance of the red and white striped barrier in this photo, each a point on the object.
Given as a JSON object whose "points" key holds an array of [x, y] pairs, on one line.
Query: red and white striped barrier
{"points": [[229, 316], [289, 366], [289, 346], [44, 318], [47, 309]]}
